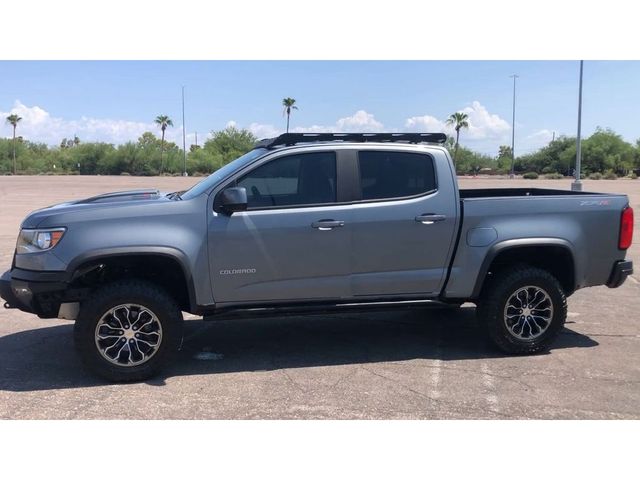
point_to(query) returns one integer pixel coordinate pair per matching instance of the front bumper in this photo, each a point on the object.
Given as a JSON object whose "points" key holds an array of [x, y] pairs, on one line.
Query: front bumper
{"points": [[33, 292], [621, 270]]}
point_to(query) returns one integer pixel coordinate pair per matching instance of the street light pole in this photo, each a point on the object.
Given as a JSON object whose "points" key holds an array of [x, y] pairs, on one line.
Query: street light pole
{"points": [[577, 184], [513, 128], [184, 139]]}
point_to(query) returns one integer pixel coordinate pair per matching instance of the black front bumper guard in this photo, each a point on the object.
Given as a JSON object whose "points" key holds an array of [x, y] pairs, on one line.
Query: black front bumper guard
{"points": [[33, 292]]}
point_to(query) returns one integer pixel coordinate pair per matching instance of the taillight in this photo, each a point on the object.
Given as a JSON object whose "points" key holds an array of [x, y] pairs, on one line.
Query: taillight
{"points": [[626, 229]]}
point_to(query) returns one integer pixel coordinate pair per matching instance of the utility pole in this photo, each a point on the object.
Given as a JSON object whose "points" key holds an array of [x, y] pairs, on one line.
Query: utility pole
{"points": [[553, 138], [184, 139], [577, 184], [196, 139], [513, 128]]}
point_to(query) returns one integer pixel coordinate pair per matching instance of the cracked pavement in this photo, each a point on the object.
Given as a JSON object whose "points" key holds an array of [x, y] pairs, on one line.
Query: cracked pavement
{"points": [[401, 363]]}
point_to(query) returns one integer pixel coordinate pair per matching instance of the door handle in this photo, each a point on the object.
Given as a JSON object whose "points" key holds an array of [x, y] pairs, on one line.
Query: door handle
{"points": [[327, 224], [430, 218]]}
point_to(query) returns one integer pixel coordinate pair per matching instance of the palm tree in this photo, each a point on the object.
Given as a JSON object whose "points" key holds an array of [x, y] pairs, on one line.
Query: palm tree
{"points": [[288, 104], [14, 119], [458, 120], [164, 121]]}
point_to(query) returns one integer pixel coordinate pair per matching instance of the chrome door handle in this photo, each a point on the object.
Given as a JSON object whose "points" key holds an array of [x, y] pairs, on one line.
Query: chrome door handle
{"points": [[327, 224], [430, 218]]}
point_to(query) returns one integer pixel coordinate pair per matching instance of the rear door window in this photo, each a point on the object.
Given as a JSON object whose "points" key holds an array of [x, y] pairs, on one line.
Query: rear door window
{"points": [[388, 175]]}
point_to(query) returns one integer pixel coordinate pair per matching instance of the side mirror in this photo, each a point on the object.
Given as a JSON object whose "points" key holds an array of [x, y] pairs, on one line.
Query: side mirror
{"points": [[233, 199]]}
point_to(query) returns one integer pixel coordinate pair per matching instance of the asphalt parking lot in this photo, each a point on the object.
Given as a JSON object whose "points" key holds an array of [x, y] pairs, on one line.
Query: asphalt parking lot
{"points": [[401, 363]]}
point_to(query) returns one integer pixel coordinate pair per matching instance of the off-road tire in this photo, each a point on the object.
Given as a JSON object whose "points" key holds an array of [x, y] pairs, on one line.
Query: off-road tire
{"points": [[152, 297], [491, 308]]}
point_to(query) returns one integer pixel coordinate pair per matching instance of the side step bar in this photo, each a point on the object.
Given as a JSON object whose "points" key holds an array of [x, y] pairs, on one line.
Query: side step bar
{"points": [[225, 313]]}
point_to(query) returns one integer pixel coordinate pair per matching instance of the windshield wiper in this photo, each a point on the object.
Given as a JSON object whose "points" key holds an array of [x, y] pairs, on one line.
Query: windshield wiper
{"points": [[174, 195]]}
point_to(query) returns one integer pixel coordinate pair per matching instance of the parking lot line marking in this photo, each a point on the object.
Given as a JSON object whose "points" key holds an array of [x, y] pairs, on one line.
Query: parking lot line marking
{"points": [[436, 373], [489, 385]]}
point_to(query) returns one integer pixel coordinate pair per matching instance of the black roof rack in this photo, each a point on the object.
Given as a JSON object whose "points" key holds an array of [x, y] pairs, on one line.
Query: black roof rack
{"points": [[288, 139]]}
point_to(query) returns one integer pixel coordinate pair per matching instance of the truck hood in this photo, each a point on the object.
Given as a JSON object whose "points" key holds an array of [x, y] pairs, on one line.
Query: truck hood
{"points": [[106, 200]]}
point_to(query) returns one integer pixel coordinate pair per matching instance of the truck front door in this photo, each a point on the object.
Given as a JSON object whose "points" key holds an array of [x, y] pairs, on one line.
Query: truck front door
{"points": [[292, 243]]}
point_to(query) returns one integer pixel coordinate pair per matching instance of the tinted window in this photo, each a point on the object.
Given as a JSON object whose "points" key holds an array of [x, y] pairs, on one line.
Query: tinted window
{"points": [[305, 179], [223, 172], [395, 174]]}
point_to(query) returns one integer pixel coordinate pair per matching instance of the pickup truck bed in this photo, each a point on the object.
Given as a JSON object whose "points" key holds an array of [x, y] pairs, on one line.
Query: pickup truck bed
{"points": [[581, 224]]}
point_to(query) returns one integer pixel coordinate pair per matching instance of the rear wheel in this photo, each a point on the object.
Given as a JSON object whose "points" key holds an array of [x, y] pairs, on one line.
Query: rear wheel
{"points": [[127, 330], [523, 310]]}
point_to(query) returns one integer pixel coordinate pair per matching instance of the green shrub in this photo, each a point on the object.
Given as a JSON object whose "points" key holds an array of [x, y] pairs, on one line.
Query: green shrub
{"points": [[554, 176], [609, 175], [595, 176], [633, 175], [125, 174], [530, 175]]}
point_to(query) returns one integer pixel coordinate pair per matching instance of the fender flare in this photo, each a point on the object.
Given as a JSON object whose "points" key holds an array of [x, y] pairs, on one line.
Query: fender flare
{"points": [[505, 245], [152, 250]]}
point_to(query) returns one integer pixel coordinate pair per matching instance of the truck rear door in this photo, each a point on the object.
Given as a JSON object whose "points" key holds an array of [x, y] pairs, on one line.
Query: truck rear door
{"points": [[403, 223]]}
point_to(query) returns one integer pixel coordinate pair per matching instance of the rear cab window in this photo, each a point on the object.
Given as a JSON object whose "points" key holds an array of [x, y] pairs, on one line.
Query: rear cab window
{"points": [[386, 175]]}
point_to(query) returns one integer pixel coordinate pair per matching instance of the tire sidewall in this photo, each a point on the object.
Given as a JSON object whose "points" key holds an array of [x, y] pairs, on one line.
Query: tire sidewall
{"points": [[111, 296], [494, 313]]}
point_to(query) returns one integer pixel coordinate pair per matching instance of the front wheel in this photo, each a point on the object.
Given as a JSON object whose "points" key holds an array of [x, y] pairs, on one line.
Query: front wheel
{"points": [[523, 310], [127, 330]]}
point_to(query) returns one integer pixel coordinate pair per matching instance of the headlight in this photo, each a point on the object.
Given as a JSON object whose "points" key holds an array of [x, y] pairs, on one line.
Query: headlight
{"points": [[30, 241]]}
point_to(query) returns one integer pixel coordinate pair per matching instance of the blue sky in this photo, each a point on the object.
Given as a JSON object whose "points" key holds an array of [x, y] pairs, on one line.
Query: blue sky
{"points": [[117, 101]]}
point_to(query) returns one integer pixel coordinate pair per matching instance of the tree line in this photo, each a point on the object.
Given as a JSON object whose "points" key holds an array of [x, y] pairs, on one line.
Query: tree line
{"points": [[604, 153], [147, 156]]}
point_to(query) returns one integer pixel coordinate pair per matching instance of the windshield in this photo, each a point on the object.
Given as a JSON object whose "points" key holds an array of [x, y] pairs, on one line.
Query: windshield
{"points": [[223, 173]]}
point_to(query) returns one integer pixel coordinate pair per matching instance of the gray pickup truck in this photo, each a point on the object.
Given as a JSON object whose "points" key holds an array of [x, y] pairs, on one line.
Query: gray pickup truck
{"points": [[314, 222]]}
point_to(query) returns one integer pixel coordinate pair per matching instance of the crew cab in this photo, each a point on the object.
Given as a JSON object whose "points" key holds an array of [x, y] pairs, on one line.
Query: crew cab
{"points": [[307, 222]]}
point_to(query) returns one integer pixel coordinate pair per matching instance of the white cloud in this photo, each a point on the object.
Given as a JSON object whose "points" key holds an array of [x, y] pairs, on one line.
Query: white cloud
{"points": [[425, 123], [39, 125], [360, 121], [534, 141], [313, 129], [543, 136], [486, 130], [263, 131], [483, 124]]}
